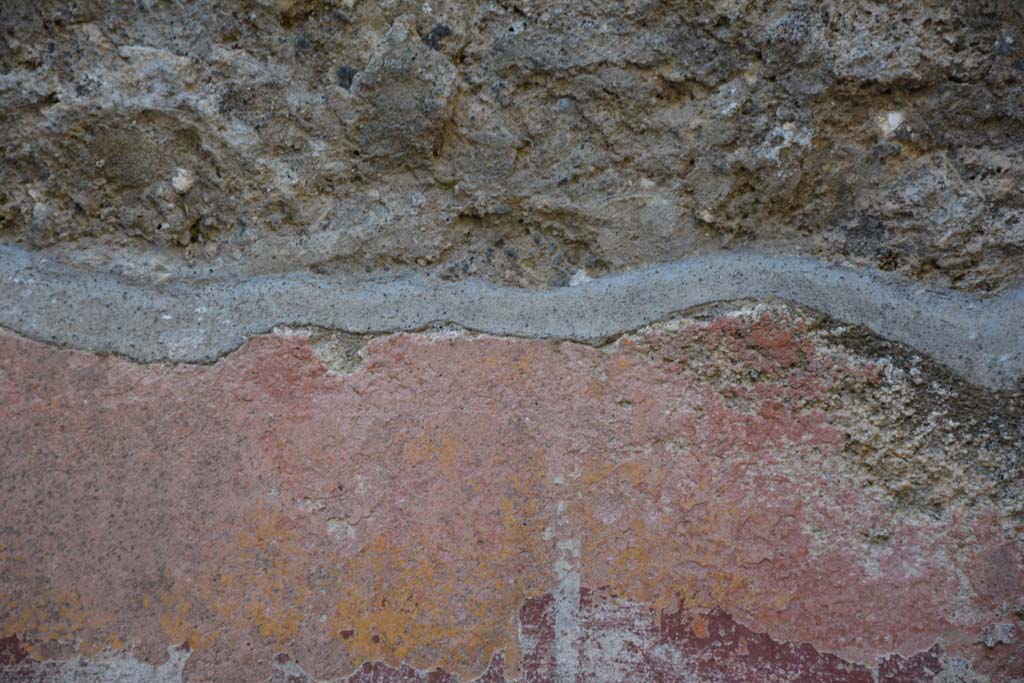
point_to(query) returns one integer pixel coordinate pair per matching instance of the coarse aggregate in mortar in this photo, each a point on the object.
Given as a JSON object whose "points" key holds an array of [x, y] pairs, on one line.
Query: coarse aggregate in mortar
{"points": [[520, 142]]}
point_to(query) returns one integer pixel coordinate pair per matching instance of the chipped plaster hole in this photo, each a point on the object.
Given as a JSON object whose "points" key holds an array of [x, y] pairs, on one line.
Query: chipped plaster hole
{"points": [[342, 352]]}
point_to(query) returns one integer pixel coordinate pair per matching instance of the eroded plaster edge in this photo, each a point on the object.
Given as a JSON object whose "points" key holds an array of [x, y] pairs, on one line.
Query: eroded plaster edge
{"points": [[119, 668], [199, 322]]}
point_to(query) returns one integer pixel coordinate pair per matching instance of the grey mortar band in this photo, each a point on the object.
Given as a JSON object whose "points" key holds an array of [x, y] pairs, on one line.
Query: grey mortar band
{"points": [[200, 321]]}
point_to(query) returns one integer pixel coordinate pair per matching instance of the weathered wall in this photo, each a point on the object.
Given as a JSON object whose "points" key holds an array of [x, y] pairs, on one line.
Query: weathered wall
{"points": [[521, 142], [549, 341], [444, 499]]}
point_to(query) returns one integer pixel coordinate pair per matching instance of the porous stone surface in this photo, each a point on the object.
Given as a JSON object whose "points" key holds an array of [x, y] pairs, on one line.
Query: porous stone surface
{"points": [[747, 493], [525, 143]]}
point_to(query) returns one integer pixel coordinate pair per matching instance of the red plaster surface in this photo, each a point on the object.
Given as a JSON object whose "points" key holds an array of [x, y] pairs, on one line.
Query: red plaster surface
{"points": [[693, 481]]}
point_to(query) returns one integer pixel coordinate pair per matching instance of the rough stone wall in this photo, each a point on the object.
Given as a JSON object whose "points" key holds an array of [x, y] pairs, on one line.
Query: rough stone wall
{"points": [[519, 142], [550, 341]]}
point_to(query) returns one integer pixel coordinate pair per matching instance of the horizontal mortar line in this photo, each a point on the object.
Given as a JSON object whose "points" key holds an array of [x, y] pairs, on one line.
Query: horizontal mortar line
{"points": [[981, 339]]}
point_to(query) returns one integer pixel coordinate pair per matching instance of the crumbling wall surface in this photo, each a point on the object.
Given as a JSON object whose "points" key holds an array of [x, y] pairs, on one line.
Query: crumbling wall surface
{"points": [[427, 342], [519, 142]]}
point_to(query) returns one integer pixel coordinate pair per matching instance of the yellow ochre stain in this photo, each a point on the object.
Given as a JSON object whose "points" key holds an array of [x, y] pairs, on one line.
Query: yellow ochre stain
{"points": [[425, 599]]}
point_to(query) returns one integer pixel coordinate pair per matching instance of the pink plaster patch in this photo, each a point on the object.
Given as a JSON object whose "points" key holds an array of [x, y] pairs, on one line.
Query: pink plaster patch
{"points": [[406, 513]]}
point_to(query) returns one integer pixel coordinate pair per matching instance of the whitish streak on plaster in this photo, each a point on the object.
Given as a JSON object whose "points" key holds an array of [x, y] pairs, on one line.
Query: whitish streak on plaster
{"points": [[567, 607]]}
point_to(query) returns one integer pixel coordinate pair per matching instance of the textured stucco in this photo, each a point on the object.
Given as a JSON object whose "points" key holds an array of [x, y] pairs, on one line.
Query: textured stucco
{"points": [[458, 497]]}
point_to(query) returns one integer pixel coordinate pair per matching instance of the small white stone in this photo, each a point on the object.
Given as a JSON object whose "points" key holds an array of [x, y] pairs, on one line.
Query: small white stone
{"points": [[183, 180], [579, 277], [890, 122]]}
